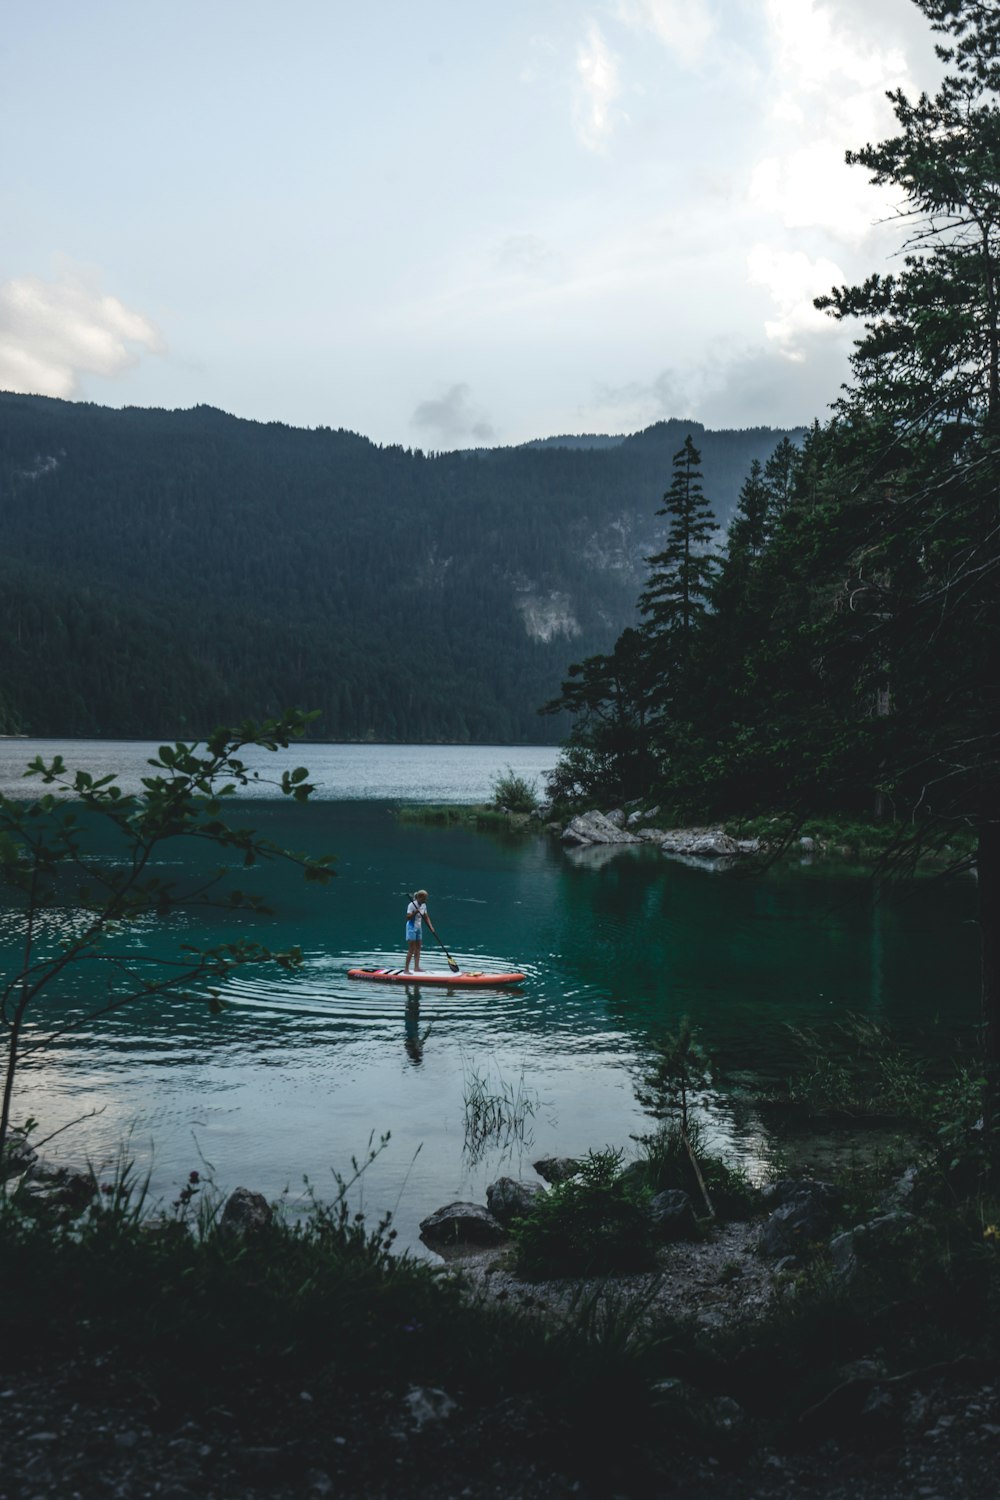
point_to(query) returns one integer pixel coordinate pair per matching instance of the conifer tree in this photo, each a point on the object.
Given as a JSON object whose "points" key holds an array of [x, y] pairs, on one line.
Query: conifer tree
{"points": [[679, 586], [747, 530]]}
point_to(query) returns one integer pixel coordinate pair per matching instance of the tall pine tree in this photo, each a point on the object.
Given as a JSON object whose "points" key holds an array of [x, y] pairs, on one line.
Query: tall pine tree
{"points": [[678, 590]]}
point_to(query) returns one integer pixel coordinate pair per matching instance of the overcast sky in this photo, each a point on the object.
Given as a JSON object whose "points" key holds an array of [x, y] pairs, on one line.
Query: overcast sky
{"points": [[443, 222]]}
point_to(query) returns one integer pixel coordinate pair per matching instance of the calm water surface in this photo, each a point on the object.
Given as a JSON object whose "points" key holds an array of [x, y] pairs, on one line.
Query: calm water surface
{"points": [[300, 1070]]}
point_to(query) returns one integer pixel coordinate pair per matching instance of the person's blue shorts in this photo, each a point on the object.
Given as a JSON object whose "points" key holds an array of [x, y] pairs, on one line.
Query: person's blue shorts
{"points": [[412, 933]]}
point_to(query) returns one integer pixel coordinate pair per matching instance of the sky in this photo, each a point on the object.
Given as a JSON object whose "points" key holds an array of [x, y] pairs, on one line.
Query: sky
{"points": [[442, 223]]}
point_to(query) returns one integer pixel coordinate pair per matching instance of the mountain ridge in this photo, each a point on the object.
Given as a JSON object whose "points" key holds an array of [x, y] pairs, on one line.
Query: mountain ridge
{"points": [[167, 570]]}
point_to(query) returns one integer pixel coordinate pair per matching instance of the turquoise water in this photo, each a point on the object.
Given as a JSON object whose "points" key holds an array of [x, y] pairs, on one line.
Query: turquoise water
{"points": [[301, 1069]]}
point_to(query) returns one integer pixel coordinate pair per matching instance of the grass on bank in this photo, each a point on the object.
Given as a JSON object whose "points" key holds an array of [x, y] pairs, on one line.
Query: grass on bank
{"points": [[478, 815], [515, 798]]}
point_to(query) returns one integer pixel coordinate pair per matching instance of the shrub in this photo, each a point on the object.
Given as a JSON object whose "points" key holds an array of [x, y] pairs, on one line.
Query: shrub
{"points": [[591, 1225], [514, 792], [665, 1162], [857, 1068]]}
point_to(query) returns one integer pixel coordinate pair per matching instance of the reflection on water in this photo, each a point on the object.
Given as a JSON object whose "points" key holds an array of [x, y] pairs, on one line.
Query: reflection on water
{"points": [[301, 1067]]}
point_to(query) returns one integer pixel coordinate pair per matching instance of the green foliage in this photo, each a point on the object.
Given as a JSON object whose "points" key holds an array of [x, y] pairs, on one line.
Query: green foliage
{"points": [[679, 1066], [513, 792], [54, 854], [857, 1067], [847, 666], [611, 699], [665, 1162], [679, 585], [591, 1225]]}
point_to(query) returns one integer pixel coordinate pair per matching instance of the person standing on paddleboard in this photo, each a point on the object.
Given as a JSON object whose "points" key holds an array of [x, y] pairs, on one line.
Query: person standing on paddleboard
{"points": [[416, 913]]}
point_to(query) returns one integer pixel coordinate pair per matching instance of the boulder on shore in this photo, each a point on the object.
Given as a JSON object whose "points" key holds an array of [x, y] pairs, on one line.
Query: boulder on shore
{"points": [[246, 1212], [672, 1213], [457, 1223], [706, 843], [557, 1168], [509, 1198], [802, 1217]]}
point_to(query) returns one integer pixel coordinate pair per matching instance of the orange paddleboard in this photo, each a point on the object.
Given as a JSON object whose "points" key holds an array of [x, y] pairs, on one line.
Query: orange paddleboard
{"points": [[469, 980]]}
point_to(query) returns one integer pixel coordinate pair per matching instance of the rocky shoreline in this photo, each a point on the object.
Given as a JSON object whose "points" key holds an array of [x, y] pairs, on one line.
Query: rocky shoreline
{"points": [[618, 828], [77, 1424]]}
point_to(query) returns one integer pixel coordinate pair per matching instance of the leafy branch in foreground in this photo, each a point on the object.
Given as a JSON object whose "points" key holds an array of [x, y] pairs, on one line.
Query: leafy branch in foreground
{"points": [[54, 861]]}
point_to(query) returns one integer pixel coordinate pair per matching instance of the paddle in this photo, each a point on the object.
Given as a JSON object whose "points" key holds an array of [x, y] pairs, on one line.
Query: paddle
{"points": [[453, 966]]}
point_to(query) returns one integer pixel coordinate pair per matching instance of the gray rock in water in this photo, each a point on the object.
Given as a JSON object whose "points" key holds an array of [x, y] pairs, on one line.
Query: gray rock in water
{"points": [[802, 1218], [462, 1223], [672, 1213], [246, 1212], [556, 1168], [508, 1198], [595, 828], [616, 816]]}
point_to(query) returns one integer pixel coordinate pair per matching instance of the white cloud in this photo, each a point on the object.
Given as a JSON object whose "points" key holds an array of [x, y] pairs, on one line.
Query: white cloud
{"points": [[793, 280], [598, 88], [52, 332], [454, 417], [638, 404], [685, 27], [829, 80]]}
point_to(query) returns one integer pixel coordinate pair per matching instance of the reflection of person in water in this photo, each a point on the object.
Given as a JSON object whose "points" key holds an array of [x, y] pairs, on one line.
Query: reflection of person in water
{"points": [[414, 1042]]}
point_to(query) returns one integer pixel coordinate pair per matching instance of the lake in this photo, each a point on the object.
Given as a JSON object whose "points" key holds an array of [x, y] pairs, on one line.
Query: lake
{"points": [[302, 1069]]}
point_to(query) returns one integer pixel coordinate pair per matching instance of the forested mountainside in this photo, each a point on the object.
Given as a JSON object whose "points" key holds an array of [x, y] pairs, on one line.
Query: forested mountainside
{"points": [[164, 571]]}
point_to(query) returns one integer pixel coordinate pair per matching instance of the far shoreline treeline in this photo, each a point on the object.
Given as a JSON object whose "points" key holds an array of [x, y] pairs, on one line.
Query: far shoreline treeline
{"points": [[167, 571]]}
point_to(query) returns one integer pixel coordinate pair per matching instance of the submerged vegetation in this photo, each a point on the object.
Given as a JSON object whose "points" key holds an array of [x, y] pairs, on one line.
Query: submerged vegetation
{"points": [[497, 1111]]}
